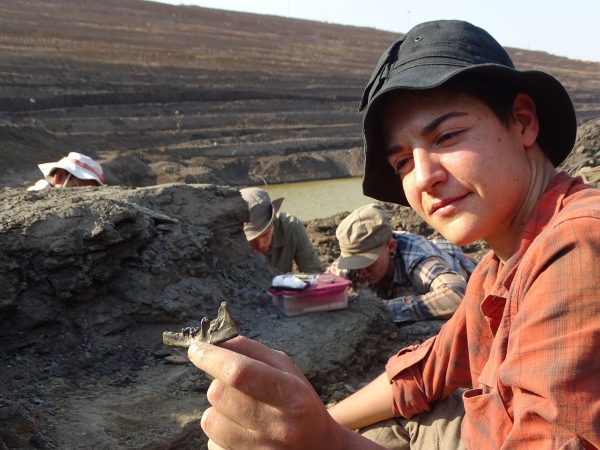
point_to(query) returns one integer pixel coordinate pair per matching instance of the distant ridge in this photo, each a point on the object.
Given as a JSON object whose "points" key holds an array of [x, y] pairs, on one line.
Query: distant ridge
{"points": [[192, 94]]}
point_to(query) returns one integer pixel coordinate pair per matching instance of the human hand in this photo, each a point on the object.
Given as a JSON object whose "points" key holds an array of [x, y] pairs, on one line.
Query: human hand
{"points": [[260, 399]]}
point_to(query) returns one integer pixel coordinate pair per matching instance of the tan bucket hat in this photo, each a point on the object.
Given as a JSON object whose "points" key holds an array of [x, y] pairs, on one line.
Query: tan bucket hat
{"points": [[362, 235], [262, 211]]}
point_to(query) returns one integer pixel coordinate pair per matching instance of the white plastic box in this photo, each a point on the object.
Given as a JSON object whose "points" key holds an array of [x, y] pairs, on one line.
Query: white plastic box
{"points": [[328, 292]]}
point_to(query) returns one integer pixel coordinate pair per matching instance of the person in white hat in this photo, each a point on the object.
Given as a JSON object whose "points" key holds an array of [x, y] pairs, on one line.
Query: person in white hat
{"points": [[281, 237], [74, 170]]}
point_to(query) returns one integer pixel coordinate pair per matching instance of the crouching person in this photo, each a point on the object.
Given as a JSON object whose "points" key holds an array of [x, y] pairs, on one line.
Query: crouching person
{"points": [[281, 237], [419, 279]]}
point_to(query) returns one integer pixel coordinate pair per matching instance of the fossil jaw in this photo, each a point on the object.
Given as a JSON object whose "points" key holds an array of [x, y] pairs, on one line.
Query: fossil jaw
{"points": [[216, 331]]}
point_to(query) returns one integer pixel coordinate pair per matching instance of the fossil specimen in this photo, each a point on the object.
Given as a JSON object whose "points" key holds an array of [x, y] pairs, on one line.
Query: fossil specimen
{"points": [[214, 331]]}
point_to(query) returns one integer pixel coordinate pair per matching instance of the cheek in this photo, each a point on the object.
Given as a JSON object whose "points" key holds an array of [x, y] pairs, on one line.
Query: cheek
{"points": [[412, 195], [262, 243], [380, 266]]}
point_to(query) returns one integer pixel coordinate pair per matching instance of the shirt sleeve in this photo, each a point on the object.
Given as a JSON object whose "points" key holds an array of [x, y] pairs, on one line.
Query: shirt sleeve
{"points": [[422, 374], [444, 291], [305, 256]]}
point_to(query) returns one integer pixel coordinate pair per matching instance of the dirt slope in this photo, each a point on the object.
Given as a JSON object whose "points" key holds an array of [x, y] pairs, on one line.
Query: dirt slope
{"points": [[92, 277], [165, 93]]}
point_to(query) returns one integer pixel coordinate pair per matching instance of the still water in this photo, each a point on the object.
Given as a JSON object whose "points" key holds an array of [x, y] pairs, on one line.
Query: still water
{"points": [[309, 200]]}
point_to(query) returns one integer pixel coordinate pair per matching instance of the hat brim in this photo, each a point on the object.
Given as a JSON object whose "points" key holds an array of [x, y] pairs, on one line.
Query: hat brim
{"points": [[354, 262], [252, 232], [558, 123], [78, 172]]}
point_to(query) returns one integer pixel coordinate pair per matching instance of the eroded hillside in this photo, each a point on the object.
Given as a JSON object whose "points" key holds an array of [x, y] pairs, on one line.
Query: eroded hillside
{"points": [[165, 93]]}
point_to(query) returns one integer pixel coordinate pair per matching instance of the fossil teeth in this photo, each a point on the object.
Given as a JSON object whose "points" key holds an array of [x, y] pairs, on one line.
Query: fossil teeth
{"points": [[216, 331]]}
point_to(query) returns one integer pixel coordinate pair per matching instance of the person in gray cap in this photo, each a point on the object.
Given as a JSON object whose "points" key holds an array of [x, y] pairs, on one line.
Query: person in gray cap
{"points": [[281, 237], [454, 131], [418, 278]]}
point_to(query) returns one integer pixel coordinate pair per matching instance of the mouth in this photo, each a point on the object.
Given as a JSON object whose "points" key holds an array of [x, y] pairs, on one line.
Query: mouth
{"points": [[445, 206]]}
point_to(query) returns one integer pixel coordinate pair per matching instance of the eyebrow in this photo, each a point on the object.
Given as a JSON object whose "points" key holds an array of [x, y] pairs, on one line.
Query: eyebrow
{"points": [[431, 126], [427, 129]]}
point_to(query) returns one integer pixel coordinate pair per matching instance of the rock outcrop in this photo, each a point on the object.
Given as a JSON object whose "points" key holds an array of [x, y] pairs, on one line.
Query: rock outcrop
{"points": [[92, 276]]}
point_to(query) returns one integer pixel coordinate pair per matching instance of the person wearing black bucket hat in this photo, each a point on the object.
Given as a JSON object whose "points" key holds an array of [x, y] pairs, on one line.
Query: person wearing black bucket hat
{"points": [[453, 130], [430, 56]]}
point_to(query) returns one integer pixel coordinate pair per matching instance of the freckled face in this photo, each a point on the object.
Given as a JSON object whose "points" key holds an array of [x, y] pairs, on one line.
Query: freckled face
{"points": [[463, 171]]}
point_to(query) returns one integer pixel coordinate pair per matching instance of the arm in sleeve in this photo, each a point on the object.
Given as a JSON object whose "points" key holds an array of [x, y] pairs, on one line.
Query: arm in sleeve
{"points": [[422, 374], [305, 256], [444, 291]]}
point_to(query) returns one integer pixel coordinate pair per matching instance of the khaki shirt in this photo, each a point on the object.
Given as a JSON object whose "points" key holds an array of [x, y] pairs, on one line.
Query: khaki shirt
{"points": [[291, 244]]}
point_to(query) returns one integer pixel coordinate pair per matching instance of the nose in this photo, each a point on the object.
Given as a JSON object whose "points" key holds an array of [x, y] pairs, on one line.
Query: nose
{"points": [[259, 244], [363, 273], [427, 169]]}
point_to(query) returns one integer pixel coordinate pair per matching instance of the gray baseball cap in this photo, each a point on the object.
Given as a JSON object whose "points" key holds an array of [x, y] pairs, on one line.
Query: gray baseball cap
{"points": [[433, 53], [262, 211], [362, 235]]}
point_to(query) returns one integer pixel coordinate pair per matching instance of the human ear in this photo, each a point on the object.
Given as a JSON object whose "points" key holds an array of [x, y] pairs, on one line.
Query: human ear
{"points": [[392, 245], [525, 115]]}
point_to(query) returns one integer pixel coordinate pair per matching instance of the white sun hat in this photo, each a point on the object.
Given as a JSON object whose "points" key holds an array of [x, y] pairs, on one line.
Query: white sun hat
{"points": [[78, 165]]}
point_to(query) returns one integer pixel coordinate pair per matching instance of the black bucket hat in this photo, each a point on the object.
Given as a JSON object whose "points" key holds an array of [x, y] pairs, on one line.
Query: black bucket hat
{"points": [[431, 54]]}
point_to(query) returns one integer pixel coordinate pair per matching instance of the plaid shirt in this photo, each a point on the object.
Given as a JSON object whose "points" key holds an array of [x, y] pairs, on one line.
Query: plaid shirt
{"points": [[526, 337], [429, 279]]}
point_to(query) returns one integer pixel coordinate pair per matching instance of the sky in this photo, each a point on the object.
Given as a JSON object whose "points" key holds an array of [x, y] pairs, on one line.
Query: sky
{"points": [[565, 28]]}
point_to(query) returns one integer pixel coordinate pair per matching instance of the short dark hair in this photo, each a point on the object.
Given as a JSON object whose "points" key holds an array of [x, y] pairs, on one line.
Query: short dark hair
{"points": [[498, 97]]}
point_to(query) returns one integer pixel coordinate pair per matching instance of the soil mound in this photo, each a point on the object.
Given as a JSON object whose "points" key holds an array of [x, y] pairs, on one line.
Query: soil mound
{"points": [[91, 278]]}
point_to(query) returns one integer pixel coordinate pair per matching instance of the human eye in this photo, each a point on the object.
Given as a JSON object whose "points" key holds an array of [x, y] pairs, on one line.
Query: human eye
{"points": [[401, 164], [448, 137]]}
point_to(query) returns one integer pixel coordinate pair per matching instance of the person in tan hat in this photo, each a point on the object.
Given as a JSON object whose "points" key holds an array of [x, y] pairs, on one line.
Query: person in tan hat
{"points": [[74, 170], [418, 278], [281, 237], [472, 144]]}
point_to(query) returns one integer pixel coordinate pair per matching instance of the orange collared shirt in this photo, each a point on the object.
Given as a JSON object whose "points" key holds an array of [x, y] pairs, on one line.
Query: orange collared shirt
{"points": [[525, 339]]}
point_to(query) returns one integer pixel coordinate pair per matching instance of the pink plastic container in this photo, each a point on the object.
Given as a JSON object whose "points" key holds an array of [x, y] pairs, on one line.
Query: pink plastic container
{"points": [[327, 293]]}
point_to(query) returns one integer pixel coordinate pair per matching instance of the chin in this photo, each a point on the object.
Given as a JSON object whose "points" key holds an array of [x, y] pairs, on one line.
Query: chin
{"points": [[462, 230], [461, 236], [374, 280]]}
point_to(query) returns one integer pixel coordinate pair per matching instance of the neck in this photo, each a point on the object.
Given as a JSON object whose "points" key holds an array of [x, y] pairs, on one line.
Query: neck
{"points": [[542, 171]]}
